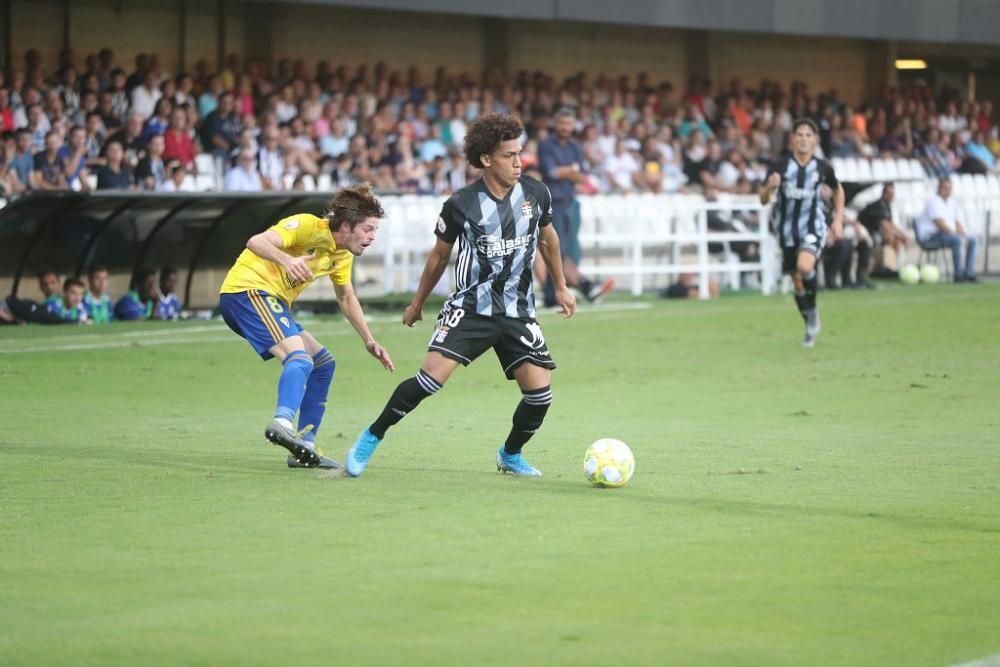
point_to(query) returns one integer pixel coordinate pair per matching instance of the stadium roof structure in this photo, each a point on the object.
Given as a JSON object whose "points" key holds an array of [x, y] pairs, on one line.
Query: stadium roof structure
{"points": [[954, 21], [70, 232]]}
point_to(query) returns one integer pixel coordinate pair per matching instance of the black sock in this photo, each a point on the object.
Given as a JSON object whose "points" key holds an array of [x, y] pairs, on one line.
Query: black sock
{"points": [[586, 285], [864, 259], [528, 418], [407, 396], [800, 301], [810, 283]]}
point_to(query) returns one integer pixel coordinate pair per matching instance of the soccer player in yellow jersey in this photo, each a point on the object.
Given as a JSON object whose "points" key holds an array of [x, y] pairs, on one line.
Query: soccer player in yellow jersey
{"points": [[255, 298]]}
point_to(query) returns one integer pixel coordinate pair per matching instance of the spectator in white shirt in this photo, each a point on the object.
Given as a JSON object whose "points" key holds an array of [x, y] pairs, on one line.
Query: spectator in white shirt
{"points": [[939, 227], [244, 177], [622, 167], [272, 161], [144, 97], [177, 180]]}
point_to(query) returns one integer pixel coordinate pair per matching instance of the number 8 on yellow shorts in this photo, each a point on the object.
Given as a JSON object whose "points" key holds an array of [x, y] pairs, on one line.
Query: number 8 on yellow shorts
{"points": [[262, 319]]}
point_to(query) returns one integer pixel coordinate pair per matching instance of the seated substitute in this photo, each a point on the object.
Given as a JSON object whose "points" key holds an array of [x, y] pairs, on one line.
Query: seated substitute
{"points": [[168, 306], [96, 301], [138, 302], [257, 294], [887, 237], [69, 307]]}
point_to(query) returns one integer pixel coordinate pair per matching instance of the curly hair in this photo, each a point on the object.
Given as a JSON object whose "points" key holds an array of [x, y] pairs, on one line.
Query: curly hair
{"points": [[487, 132], [353, 206]]}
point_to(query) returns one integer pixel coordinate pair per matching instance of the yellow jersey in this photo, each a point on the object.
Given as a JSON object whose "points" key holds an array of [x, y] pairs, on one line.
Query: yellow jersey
{"points": [[301, 234]]}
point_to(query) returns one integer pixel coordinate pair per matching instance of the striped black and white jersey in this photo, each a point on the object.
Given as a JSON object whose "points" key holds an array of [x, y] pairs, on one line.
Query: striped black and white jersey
{"points": [[497, 239], [800, 210]]}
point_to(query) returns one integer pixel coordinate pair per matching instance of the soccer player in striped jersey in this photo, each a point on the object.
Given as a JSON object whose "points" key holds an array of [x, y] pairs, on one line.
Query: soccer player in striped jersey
{"points": [[801, 216], [499, 221], [256, 297]]}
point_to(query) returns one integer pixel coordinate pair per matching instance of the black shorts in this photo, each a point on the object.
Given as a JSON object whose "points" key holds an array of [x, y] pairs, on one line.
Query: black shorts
{"points": [[810, 243], [464, 336]]}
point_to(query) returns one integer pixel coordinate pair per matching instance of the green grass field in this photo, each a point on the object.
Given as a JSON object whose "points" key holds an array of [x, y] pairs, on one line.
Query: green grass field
{"points": [[834, 506]]}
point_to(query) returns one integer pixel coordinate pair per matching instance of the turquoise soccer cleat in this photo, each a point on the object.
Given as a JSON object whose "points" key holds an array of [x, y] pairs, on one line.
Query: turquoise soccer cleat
{"points": [[515, 465], [361, 452]]}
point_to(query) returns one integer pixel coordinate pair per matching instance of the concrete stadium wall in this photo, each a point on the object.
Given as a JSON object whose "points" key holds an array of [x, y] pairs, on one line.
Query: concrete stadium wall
{"points": [[824, 62], [568, 48], [461, 42]]}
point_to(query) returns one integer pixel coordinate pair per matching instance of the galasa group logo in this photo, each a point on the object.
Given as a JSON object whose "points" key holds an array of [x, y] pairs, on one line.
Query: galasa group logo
{"points": [[492, 245]]}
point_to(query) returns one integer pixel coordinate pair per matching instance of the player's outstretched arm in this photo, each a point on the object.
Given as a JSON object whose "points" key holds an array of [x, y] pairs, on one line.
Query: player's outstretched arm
{"points": [[437, 262], [548, 245], [772, 183], [351, 308], [268, 245]]}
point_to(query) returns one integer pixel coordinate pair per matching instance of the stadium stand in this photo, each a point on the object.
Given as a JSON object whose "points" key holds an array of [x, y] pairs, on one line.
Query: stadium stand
{"points": [[646, 146]]}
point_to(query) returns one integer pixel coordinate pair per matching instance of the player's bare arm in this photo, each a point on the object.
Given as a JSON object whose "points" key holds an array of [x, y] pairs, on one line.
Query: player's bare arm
{"points": [[772, 183], [435, 267], [548, 246], [837, 226], [268, 245], [351, 308]]}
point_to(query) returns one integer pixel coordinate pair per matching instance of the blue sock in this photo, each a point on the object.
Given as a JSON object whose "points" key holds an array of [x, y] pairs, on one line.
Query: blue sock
{"points": [[314, 402], [292, 384]]}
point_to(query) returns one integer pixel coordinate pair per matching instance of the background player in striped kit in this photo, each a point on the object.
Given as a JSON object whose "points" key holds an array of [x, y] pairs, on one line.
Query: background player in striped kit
{"points": [[498, 221], [801, 217]]}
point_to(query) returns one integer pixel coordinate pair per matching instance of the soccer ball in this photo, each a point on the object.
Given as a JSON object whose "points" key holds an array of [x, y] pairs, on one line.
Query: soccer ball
{"points": [[910, 274], [929, 273], [609, 462]]}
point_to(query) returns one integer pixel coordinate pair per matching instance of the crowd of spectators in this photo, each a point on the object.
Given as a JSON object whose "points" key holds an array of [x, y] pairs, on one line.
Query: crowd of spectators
{"points": [[97, 125], [74, 301]]}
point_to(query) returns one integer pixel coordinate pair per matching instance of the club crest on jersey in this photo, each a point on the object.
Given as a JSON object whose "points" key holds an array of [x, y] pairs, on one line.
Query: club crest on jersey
{"points": [[492, 245], [284, 320], [528, 208]]}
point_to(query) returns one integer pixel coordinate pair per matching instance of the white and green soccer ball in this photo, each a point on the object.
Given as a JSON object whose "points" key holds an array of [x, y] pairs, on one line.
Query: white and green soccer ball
{"points": [[609, 462], [929, 274], [910, 274]]}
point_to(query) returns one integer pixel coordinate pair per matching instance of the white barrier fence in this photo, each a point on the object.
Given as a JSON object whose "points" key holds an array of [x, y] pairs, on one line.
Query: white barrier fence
{"points": [[637, 239], [643, 241]]}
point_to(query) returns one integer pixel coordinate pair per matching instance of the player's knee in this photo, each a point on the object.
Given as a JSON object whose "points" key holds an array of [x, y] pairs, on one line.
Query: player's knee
{"points": [[298, 358], [324, 365], [541, 396]]}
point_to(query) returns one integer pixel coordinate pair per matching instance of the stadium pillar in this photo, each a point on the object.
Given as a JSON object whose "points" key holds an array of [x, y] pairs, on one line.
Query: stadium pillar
{"points": [[220, 35], [8, 58], [258, 28], [880, 67], [181, 34], [65, 35], [697, 49], [496, 44]]}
